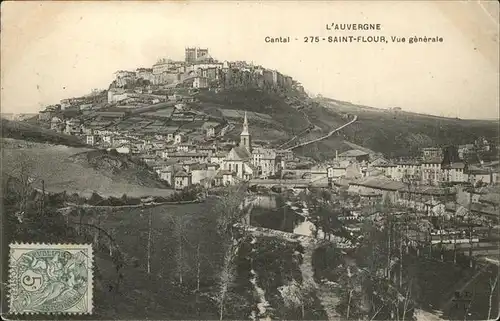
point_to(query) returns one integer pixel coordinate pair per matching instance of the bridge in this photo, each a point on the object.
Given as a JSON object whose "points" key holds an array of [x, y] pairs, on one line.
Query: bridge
{"points": [[288, 183]]}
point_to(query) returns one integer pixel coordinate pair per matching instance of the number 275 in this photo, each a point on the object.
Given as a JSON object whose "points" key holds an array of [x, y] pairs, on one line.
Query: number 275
{"points": [[311, 39]]}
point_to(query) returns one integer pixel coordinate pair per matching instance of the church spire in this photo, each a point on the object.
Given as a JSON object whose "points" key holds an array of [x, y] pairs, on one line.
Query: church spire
{"points": [[245, 126], [245, 140]]}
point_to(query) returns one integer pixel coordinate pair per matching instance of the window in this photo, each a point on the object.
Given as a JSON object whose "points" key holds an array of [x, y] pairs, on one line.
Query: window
{"points": [[236, 168]]}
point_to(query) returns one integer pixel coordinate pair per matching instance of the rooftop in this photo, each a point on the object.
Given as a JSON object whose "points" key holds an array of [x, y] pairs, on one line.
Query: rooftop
{"points": [[182, 174], [380, 183]]}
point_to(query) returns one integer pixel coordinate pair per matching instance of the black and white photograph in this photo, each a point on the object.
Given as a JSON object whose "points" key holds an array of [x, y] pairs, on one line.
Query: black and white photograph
{"points": [[250, 160]]}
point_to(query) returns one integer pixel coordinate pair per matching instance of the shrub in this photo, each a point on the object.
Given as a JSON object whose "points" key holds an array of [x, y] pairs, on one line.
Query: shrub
{"points": [[95, 199], [114, 201]]}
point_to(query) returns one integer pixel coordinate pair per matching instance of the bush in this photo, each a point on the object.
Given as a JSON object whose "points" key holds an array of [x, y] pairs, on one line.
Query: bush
{"points": [[77, 199], [95, 199], [133, 201], [114, 201]]}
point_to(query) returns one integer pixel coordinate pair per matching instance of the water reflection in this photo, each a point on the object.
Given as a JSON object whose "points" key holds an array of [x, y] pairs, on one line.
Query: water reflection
{"points": [[272, 211]]}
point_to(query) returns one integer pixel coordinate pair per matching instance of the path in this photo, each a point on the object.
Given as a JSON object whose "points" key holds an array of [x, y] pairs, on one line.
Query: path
{"points": [[325, 136], [325, 293], [262, 305]]}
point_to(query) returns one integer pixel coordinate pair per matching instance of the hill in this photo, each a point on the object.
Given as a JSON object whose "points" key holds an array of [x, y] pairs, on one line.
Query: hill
{"points": [[395, 134], [400, 133], [79, 170], [33, 133], [283, 120]]}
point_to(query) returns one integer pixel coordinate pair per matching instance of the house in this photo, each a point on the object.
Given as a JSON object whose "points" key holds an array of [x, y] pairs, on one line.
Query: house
{"points": [[184, 157], [148, 159], [431, 171], [206, 149], [371, 171], [265, 160], [370, 198], [388, 188], [179, 138], [464, 150], [90, 139], [224, 178], [407, 169], [45, 115], [416, 196], [57, 124], [86, 106], [434, 208], [455, 173], [480, 174], [73, 127], [167, 172], [200, 171], [389, 169], [200, 82], [283, 154], [185, 147], [218, 157], [354, 155], [337, 169], [209, 127], [432, 153], [182, 180]]}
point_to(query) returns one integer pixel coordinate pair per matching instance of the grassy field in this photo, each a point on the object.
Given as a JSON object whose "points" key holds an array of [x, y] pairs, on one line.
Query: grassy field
{"points": [[33, 133], [53, 164]]}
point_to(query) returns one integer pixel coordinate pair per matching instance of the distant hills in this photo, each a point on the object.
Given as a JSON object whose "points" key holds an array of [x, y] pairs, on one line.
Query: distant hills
{"points": [[395, 133]]}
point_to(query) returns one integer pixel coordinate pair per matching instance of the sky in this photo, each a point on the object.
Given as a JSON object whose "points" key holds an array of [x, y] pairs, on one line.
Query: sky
{"points": [[56, 50]]}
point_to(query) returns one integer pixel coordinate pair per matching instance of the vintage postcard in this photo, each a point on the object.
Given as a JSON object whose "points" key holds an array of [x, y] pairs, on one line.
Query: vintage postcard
{"points": [[250, 160]]}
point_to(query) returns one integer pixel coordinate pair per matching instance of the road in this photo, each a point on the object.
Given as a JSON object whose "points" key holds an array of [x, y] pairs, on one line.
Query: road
{"points": [[307, 130], [325, 136]]}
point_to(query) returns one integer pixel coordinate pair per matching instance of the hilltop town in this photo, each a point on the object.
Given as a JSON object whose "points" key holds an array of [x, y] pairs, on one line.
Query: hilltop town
{"points": [[224, 157], [156, 115]]}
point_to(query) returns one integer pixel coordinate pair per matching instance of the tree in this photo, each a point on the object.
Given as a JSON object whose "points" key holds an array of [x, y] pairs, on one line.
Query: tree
{"points": [[226, 277], [230, 210], [24, 173], [297, 295], [180, 255], [492, 286]]}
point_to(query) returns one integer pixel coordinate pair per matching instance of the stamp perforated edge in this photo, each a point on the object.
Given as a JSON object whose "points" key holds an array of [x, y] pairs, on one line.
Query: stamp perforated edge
{"points": [[36, 246]]}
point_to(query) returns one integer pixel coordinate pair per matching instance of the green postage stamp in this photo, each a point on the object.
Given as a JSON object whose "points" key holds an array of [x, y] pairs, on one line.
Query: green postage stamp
{"points": [[50, 278]]}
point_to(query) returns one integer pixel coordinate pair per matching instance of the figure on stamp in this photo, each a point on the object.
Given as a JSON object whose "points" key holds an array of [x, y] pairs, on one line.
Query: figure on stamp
{"points": [[51, 281]]}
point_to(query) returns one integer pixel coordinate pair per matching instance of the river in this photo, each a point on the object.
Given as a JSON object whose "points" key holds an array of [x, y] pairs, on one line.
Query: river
{"points": [[274, 212]]}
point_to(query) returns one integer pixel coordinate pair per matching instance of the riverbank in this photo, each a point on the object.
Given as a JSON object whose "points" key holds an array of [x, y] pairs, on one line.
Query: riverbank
{"points": [[142, 205]]}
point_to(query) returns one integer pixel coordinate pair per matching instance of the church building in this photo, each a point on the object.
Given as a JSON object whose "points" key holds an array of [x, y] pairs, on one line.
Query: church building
{"points": [[248, 162], [239, 159]]}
